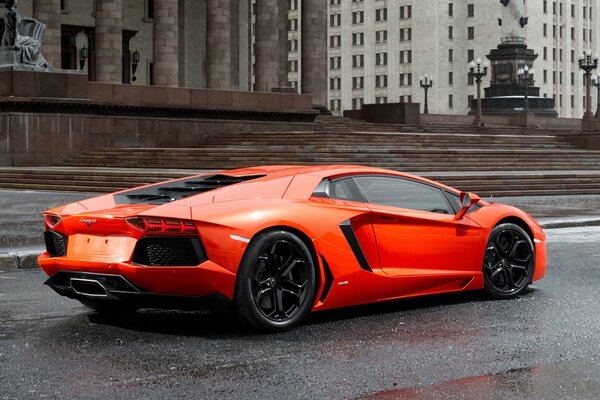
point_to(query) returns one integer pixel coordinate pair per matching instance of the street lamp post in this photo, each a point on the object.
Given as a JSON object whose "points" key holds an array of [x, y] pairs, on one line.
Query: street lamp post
{"points": [[478, 70], [596, 83], [426, 83], [588, 63], [526, 77]]}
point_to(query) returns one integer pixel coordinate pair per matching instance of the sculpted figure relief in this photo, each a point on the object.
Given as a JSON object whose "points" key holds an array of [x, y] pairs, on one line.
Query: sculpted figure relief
{"points": [[514, 18], [23, 34]]}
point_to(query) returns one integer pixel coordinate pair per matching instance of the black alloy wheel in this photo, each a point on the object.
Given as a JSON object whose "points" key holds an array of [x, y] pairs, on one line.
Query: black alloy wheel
{"points": [[276, 282], [509, 261]]}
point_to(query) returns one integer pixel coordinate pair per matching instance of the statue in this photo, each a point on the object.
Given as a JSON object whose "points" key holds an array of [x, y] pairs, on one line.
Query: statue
{"points": [[23, 38], [513, 20]]}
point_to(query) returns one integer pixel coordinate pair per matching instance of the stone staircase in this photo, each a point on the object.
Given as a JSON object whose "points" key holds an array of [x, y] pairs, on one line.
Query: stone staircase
{"points": [[488, 161]]}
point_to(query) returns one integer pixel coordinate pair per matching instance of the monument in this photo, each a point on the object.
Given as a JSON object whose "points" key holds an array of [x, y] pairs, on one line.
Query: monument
{"points": [[22, 41], [507, 93]]}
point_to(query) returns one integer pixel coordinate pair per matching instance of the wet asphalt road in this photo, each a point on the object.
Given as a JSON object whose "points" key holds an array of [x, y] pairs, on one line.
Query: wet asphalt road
{"points": [[544, 345]]}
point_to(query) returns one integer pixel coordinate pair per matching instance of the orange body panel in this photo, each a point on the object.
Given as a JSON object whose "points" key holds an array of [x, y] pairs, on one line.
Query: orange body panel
{"points": [[409, 253]]}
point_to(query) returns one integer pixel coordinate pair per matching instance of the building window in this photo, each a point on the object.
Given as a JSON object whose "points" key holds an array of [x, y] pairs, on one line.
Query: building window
{"points": [[335, 83], [293, 65], [149, 9], [572, 10], [357, 103], [470, 33], [293, 4], [381, 36], [545, 53], [545, 76], [553, 54], [334, 63], [335, 2], [358, 61], [545, 29], [450, 101], [470, 80], [545, 7], [450, 78], [335, 105], [335, 19], [358, 17], [470, 99], [450, 9], [358, 82], [405, 80], [358, 39], [450, 33], [470, 55], [293, 45], [554, 7], [450, 55], [335, 41], [381, 59], [405, 12], [381, 14], [381, 100], [470, 10], [584, 12], [381, 81], [293, 25]]}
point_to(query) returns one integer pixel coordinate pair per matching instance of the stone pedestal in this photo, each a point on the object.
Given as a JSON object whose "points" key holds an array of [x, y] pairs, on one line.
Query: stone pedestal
{"points": [[506, 94], [10, 57]]}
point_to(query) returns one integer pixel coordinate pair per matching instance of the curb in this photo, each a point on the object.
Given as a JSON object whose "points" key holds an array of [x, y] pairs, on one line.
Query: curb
{"points": [[13, 261], [557, 224]]}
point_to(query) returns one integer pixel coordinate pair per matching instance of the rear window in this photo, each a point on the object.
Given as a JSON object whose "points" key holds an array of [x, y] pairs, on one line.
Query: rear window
{"points": [[173, 191]]}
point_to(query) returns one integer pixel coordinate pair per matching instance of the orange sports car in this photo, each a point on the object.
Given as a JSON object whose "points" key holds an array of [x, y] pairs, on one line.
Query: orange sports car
{"points": [[278, 242]]}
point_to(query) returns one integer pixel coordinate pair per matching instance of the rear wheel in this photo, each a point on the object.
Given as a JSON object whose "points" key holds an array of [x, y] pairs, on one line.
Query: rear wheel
{"points": [[110, 307], [509, 262], [276, 282]]}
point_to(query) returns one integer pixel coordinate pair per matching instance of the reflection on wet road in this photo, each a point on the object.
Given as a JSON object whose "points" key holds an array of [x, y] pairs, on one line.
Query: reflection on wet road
{"points": [[543, 345]]}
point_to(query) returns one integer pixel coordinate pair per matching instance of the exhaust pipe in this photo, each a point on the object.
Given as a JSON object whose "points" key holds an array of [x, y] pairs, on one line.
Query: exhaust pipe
{"points": [[88, 287]]}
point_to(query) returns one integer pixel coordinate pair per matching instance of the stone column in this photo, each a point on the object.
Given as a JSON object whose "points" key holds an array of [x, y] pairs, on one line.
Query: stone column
{"points": [[109, 41], [48, 12], [271, 44], [314, 50], [166, 43], [218, 44]]}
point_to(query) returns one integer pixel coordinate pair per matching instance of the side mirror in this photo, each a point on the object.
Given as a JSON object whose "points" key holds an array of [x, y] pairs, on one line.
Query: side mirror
{"points": [[467, 200]]}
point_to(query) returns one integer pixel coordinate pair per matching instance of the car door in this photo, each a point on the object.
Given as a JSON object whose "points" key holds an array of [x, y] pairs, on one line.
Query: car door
{"points": [[416, 230]]}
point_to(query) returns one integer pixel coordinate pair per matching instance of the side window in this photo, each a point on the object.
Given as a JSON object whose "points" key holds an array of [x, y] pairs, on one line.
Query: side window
{"points": [[403, 193], [344, 189]]}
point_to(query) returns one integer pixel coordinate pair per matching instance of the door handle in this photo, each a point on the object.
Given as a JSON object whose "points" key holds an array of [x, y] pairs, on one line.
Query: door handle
{"points": [[387, 218]]}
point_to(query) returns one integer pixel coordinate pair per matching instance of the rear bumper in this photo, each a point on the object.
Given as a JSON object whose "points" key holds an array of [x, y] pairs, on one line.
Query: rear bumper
{"points": [[206, 279], [107, 287]]}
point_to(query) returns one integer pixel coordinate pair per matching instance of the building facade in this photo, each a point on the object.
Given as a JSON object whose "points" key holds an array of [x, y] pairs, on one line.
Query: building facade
{"points": [[214, 44], [375, 50], [378, 50]]}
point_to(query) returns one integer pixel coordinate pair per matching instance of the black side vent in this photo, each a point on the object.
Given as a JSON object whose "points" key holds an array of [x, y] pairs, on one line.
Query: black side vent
{"points": [[172, 191], [169, 252], [56, 244], [328, 280]]}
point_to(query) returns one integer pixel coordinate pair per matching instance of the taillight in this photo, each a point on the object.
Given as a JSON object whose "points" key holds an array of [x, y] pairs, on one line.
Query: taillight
{"points": [[52, 220], [155, 225]]}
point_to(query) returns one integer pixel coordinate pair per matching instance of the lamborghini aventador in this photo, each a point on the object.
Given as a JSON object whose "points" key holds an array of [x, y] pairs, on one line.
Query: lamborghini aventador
{"points": [[276, 243]]}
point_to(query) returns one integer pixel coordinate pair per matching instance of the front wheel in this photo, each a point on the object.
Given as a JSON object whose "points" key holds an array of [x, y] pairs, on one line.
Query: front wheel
{"points": [[509, 262], [276, 282]]}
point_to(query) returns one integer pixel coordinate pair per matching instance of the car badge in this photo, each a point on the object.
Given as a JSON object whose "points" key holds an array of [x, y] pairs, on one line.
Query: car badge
{"points": [[88, 222]]}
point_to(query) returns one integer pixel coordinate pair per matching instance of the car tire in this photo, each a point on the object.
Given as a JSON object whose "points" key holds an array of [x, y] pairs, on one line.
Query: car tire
{"points": [[509, 262], [110, 307], [276, 282]]}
